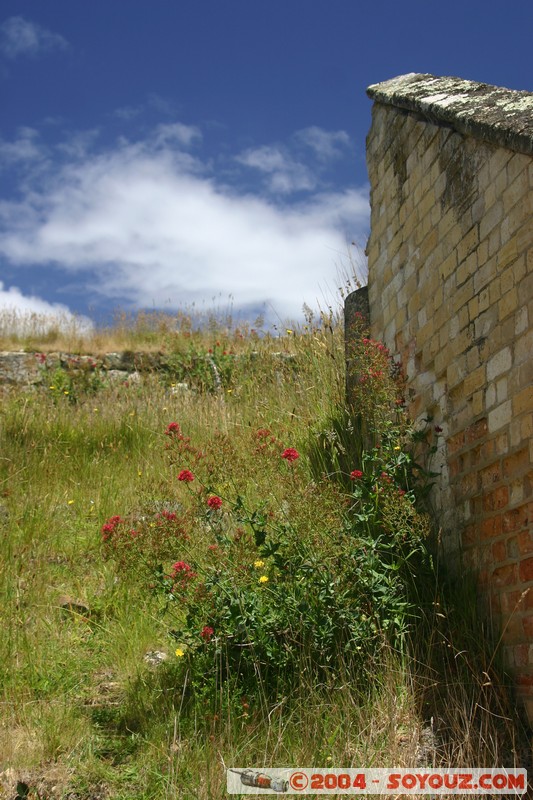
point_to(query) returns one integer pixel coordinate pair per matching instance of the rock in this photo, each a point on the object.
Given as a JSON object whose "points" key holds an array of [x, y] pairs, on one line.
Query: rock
{"points": [[75, 606], [155, 657], [20, 368]]}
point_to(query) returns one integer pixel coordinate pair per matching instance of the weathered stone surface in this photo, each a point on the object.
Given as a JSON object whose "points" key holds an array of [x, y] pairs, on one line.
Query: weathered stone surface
{"points": [[450, 260], [501, 116], [20, 368]]}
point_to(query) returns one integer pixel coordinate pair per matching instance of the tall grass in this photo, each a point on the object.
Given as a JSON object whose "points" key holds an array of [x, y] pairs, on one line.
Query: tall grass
{"points": [[86, 709]]}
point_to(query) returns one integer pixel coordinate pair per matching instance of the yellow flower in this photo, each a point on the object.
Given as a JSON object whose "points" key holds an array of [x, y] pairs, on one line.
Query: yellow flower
{"points": [[259, 564], [397, 447], [180, 652], [289, 331], [70, 502], [263, 579]]}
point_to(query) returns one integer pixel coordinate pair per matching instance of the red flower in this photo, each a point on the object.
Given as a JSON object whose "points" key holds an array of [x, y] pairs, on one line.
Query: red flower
{"points": [[182, 575], [438, 429], [108, 528], [206, 633], [180, 568], [290, 454], [386, 478], [172, 428], [214, 502], [355, 474], [186, 476]]}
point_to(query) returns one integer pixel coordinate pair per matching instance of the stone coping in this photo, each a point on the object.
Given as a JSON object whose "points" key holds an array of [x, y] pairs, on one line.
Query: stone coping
{"points": [[501, 116]]}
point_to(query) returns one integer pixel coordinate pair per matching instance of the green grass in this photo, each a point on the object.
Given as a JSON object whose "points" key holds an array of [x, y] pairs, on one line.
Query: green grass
{"points": [[81, 709]]}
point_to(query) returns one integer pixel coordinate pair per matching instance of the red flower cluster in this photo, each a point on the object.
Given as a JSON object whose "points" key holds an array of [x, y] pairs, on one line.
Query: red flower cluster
{"points": [[173, 428], [182, 574], [109, 527], [290, 454], [171, 516], [355, 474], [214, 502], [186, 476], [206, 633]]}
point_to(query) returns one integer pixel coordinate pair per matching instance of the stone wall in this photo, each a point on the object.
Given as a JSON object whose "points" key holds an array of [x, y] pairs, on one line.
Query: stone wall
{"points": [[451, 294]]}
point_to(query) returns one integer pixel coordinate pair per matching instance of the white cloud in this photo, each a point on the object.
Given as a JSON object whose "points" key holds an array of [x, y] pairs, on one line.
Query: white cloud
{"points": [[176, 133], [25, 148], [285, 174], [326, 145], [156, 228], [19, 37], [21, 314]]}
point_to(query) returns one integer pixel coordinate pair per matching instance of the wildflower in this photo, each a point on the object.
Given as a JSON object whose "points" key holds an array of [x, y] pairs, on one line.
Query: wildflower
{"points": [[214, 502], [258, 564], [186, 476], [172, 427], [180, 652], [70, 502], [386, 478], [206, 633], [290, 454], [438, 429], [181, 568], [401, 492], [355, 474], [263, 579], [289, 331], [397, 447]]}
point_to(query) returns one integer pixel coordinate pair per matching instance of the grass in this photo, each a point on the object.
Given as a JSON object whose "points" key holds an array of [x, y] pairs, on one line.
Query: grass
{"points": [[84, 713]]}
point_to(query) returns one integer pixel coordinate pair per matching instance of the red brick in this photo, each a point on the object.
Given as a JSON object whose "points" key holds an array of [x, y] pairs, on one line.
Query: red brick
{"points": [[504, 576], [476, 431], [526, 570], [528, 598], [525, 542], [455, 443], [476, 506], [525, 680], [511, 601], [512, 519], [490, 475], [487, 450], [491, 527], [521, 655], [516, 463], [468, 484], [513, 632], [496, 499], [527, 623], [499, 552], [473, 456], [512, 547], [470, 535]]}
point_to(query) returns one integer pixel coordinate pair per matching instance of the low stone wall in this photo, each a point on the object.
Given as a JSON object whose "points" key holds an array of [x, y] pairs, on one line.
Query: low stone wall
{"points": [[31, 369]]}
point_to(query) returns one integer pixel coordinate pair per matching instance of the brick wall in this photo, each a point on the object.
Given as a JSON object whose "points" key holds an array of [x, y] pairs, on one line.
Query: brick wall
{"points": [[451, 293]]}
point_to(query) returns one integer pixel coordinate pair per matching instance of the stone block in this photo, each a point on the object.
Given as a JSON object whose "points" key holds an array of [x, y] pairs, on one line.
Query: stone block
{"points": [[500, 416], [499, 363]]}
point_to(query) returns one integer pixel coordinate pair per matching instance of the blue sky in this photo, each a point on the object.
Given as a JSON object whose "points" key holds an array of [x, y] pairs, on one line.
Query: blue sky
{"points": [[160, 153]]}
